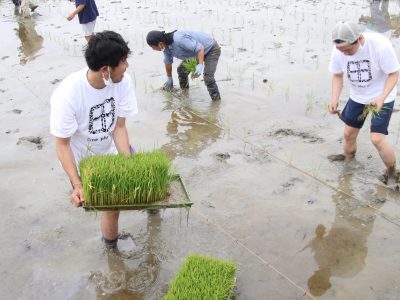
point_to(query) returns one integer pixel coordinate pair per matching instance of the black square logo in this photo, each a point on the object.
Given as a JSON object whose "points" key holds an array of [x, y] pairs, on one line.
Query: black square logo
{"points": [[102, 116], [359, 71]]}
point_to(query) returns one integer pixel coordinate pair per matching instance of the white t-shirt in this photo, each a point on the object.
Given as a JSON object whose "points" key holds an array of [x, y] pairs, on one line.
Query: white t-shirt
{"points": [[367, 70], [88, 115]]}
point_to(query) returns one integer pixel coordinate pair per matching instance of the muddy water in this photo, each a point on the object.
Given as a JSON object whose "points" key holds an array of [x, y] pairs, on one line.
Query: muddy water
{"points": [[255, 164]]}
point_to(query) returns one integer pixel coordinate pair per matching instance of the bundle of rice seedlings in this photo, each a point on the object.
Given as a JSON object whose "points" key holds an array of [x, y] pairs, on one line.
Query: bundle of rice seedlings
{"points": [[114, 180], [370, 110], [190, 66], [203, 277]]}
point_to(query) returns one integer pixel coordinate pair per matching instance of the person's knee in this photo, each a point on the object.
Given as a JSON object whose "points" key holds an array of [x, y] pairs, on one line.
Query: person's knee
{"points": [[209, 80], [378, 140], [350, 137]]}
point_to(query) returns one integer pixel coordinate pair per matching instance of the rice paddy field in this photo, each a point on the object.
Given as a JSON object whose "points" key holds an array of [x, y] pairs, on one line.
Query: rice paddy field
{"points": [[255, 164]]}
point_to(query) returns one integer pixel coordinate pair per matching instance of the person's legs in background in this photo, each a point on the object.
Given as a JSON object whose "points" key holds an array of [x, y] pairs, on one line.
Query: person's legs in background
{"points": [[210, 66]]}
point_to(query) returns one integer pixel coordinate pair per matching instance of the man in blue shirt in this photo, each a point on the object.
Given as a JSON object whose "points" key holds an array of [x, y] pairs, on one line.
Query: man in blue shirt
{"points": [[184, 44], [87, 14]]}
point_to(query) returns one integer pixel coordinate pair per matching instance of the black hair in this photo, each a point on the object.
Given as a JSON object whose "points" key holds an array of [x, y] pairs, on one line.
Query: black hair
{"points": [[154, 37], [339, 41], [106, 48]]}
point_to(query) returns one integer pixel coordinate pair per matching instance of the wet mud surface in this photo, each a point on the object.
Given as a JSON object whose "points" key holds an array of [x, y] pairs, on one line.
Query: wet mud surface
{"points": [[256, 164]]}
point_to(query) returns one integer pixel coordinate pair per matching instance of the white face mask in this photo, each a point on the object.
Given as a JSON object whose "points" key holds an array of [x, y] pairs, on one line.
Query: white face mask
{"points": [[108, 82]]}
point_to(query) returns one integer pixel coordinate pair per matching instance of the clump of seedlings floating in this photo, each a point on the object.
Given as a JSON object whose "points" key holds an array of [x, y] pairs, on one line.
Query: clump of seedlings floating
{"points": [[117, 180], [372, 111], [190, 66], [203, 277]]}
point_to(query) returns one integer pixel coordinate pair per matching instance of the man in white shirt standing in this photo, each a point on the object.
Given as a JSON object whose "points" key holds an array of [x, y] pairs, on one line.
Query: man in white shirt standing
{"points": [[88, 112], [371, 66]]}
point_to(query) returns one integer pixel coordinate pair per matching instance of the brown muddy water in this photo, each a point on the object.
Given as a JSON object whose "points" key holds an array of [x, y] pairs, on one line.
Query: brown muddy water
{"points": [[265, 194]]}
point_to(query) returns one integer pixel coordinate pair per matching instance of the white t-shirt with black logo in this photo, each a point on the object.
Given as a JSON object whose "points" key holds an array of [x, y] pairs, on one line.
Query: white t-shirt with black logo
{"points": [[87, 115], [367, 70]]}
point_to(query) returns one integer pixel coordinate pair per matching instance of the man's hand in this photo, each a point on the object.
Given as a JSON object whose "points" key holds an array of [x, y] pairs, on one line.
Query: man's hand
{"points": [[71, 16], [77, 195], [199, 71], [378, 102], [333, 107]]}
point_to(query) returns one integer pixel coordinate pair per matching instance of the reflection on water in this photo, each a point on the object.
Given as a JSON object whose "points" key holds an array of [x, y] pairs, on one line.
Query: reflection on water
{"points": [[31, 41], [341, 251], [189, 133], [380, 19], [133, 277]]}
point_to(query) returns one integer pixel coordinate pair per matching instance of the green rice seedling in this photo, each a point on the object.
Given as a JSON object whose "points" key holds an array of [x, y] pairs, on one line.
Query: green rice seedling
{"points": [[287, 94], [117, 180], [228, 71], [310, 102], [288, 157], [315, 168], [370, 110], [190, 65], [203, 277], [270, 87]]}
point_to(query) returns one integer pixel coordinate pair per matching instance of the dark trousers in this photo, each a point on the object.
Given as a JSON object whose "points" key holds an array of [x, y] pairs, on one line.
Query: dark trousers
{"points": [[210, 66]]}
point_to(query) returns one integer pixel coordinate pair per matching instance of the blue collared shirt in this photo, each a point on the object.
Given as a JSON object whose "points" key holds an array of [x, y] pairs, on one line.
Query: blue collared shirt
{"points": [[187, 44]]}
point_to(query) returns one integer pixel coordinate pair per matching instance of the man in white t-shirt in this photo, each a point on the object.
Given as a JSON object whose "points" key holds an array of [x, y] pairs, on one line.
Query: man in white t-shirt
{"points": [[372, 69], [88, 112]]}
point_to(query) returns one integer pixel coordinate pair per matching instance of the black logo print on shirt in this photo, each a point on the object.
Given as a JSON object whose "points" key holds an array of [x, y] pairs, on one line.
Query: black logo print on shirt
{"points": [[359, 71], [102, 116]]}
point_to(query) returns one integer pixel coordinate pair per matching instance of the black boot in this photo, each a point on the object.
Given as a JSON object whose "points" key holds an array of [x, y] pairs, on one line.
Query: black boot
{"points": [[215, 96], [33, 7]]}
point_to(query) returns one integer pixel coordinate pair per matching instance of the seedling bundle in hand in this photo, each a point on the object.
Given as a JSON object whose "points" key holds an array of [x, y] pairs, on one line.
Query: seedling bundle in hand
{"points": [[370, 110], [115, 180], [190, 66], [203, 277]]}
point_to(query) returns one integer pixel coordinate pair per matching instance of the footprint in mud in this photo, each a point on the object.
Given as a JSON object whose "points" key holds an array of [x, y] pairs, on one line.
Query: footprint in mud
{"points": [[305, 136], [222, 156], [286, 186], [37, 140], [12, 131], [17, 111], [336, 157]]}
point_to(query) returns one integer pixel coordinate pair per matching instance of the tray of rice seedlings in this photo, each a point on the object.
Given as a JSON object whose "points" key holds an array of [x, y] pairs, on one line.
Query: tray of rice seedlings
{"points": [[370, 110], [140, 181], [190, 66], [203, 277]]}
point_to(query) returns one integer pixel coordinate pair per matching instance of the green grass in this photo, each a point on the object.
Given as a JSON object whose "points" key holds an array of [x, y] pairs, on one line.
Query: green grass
{"points": [[190, 65], [370, 110], [203, 277], [113, 180]]}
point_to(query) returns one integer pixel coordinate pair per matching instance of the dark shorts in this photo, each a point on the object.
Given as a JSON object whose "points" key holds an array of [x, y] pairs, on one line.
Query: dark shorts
{"points": [[352, 115]]}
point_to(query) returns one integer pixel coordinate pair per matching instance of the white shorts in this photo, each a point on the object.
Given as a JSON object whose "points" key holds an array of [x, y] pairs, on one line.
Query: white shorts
{"points": [[88, 28]]}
